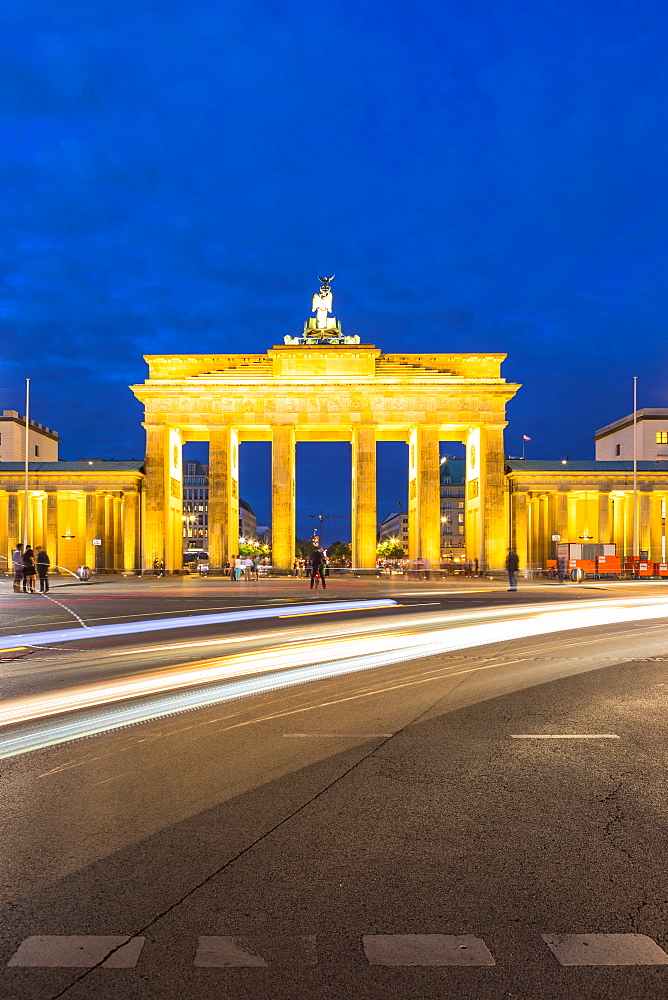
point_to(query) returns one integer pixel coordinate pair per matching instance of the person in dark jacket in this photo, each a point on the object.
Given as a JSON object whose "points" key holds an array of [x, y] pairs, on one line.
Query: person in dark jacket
{"points": [[29, 570], [512, 566], [318, 568], [43, 563]]}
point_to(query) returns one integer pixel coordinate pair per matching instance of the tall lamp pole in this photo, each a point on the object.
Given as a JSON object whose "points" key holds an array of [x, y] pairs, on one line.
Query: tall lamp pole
{"points": [[635, 467], [25, 477]]}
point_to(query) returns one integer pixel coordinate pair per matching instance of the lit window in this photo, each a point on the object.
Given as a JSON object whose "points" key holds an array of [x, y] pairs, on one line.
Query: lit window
{"points": [[460, 505], [662, 437]]}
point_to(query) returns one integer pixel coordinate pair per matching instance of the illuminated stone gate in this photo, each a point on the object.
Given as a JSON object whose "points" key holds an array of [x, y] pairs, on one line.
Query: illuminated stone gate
{"points": [[325, 387]]}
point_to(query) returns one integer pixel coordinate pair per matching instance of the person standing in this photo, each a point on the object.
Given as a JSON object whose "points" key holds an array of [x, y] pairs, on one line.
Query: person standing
{"points": [[43, 563], [17, 562], [318, 568], [29, 570], [512, 567]]}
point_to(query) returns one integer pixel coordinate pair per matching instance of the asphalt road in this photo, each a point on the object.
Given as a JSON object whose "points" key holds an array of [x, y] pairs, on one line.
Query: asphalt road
{"points": [[282, 844]]}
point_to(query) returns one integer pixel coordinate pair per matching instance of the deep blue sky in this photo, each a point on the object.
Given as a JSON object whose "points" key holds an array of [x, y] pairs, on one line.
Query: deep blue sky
{"points": [[481, 176]]}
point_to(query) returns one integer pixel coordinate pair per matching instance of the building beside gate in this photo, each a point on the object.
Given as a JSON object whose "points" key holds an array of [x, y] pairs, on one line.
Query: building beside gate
{"points": [[615, 441], [586, 502], [84, 513]]}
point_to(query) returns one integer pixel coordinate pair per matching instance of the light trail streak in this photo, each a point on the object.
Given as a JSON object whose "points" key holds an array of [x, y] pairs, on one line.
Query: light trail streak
{"points": [[226, 678], [190, 621]]}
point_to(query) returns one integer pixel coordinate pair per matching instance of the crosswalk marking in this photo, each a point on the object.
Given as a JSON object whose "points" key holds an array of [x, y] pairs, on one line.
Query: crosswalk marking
{"points": [[226, 953], [605, 949], [72, 951], [426, 949], [112, 951]]}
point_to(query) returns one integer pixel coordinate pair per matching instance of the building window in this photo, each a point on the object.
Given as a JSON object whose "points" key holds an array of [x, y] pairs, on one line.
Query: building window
{"points": [[662, 437], [460, 505], [618, 449], [447, 506], [36, 451]]}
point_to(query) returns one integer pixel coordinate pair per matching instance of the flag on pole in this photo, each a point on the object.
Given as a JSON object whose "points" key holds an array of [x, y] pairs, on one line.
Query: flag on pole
{"points": [[526, 437]]}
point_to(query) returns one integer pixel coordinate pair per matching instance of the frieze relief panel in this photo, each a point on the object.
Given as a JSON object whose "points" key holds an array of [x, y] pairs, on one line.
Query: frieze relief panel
{"points": [[383, 408]]}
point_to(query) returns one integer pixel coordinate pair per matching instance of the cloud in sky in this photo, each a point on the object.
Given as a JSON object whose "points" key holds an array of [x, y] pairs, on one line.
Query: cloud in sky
{"points": [[481, 177]]}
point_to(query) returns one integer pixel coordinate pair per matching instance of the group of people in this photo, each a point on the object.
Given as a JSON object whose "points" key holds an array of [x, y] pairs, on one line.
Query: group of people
{"points": [[29, 564], [240, 566], [314, 567]]}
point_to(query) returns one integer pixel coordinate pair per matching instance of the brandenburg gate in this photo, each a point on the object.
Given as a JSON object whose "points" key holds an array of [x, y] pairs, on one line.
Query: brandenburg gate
{"points": [[324, 386]]}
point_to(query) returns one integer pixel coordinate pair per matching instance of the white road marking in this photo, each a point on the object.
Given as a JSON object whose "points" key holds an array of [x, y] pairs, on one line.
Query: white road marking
{"points": [[71, 951], [226, 952], [426, 949], [336, 736], [564, 736], [605, 949]]}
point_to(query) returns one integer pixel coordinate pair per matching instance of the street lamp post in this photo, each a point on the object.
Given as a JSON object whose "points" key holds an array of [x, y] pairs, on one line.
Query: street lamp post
{"points": [[25, 480]]}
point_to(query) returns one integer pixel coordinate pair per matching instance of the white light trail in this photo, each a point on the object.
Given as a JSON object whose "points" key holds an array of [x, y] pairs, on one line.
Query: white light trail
{"points": [[223, 679], [189, 621]]}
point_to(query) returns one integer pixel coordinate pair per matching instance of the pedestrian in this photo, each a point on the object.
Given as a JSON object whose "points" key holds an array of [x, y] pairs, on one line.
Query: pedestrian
{"points": [[295, 567], [561, 569], [512, 566], [476, 565], [238, 567], [17, 562], [256, 568], [248, 569], [43, 563], [318, 569], [29, 570]]}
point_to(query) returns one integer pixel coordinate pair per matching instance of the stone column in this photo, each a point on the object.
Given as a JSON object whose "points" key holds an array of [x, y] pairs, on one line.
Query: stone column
{"points": [[91, 529], [544, 542], [130, 531], [283, 497], [81, 530], [492, 497], [6, 548], [156, 494], [364, 497], [644, 523], [655, 528], [118, 532], [223, 495], [164, 504], [424, 496], [108, 533], [603, 533], [572, 508], [519, 528], [52, 528], [14, 526]]}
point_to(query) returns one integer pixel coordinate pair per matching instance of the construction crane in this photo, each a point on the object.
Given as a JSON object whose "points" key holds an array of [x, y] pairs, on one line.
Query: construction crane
{"points": [[317, 532]]}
